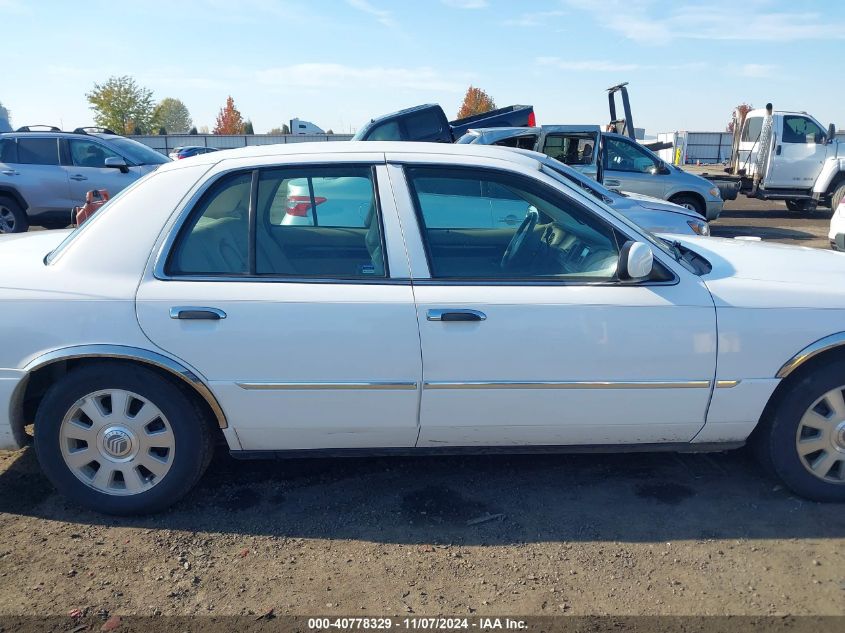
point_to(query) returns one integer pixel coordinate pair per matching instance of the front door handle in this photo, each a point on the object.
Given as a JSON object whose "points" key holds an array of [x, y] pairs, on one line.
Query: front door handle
{"points": [[777, 150], [10, 172], [455, 315], [78, 177], [192, 313]]}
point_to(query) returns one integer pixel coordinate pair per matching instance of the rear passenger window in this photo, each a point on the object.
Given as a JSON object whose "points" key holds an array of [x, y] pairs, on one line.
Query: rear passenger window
{"points": [[8, 150], [316, 222], [38, 151], [215, 242], [423, 125]]}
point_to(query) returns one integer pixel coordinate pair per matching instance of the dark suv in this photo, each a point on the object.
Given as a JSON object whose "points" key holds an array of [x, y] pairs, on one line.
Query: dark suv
{"points": [[45, 173]]}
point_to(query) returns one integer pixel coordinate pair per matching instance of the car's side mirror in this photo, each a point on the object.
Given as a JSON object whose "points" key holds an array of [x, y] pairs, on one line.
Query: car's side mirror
{"points": [[115, 162], [831, 133], [636, 261]]}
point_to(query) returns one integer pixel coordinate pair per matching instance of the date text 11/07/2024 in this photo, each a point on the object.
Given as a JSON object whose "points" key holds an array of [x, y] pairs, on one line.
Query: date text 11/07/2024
{"points": [[421, 623]]}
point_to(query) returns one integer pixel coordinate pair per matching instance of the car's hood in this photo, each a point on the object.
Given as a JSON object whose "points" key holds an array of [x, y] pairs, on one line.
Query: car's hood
{"points": [[765, 274], [657, 204]]}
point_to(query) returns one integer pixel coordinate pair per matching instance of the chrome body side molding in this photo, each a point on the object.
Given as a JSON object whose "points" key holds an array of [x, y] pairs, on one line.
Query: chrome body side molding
{"points": [[136, 354], [329, 386], [572, 384]]}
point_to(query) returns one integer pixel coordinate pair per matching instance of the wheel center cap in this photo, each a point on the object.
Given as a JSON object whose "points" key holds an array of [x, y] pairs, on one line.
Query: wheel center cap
{"points": [[117, 442], [839, 437]]}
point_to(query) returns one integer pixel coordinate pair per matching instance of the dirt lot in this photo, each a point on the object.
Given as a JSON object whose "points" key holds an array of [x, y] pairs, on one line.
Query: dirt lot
{"points": [[600, 534]]}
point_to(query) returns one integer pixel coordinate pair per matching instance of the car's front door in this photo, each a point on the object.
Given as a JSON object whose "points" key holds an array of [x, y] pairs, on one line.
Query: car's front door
{"points": [[85, 164], [800, 151], [307, 334], [629, 167], [529, 337]]}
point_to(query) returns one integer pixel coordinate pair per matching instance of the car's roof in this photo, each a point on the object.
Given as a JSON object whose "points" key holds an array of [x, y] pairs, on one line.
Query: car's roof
{"points": [[360, 147]]}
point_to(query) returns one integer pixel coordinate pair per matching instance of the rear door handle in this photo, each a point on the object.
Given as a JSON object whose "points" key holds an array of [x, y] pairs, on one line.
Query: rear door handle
{"points": [[455, 315], [78, 177], [10, 172], [192, 313]]}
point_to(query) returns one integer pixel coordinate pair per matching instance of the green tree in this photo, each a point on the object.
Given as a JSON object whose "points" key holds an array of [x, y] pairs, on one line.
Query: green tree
{"points": [[5, 119], [229, 119], [122, 105], [476, 101], [280, 130], [248, 129], [193, 131], [172, 115]]}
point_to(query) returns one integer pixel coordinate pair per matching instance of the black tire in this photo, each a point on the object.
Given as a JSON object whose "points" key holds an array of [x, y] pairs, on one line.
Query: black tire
{"points": [[691, 202], [775, 442], [191, 433], [837, 196], [801, 206], [13, 218]]}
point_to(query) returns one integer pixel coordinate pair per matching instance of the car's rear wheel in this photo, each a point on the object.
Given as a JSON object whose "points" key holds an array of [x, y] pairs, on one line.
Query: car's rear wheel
{"points": [[803, 441], [121, 439], [690, 202], [13, 217]]}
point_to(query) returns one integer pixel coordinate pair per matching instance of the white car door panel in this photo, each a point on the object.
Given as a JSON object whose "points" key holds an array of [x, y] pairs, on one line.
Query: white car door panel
{"points": [[297, 363], [558, 362], [798, 155]]}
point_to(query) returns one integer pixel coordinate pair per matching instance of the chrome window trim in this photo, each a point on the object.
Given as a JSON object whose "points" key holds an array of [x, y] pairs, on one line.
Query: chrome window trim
{"points": [[811, 351], [570, 384], [183, 215], [378, 385], [552, 191], [136, 354]]}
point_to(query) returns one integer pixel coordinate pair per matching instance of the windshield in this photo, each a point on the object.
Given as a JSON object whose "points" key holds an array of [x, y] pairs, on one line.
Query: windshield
{"points": [[563, 177], [52, 255], [137, 152]]}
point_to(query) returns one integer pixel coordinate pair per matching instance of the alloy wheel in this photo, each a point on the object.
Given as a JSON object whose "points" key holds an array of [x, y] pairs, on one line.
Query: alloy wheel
{"points": [[7, 220]]}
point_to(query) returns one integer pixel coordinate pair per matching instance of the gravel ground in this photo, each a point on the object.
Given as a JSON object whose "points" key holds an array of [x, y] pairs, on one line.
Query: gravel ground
{"points": [[578, 534]]}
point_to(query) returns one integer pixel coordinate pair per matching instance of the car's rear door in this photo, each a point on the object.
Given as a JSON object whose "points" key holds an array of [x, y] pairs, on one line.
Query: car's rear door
{"points": [[37, 175], [549, 347], [307, 334]]}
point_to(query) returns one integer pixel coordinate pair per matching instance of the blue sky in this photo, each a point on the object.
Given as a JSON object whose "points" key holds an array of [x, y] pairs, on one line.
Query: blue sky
{"points": [[340, 62]]}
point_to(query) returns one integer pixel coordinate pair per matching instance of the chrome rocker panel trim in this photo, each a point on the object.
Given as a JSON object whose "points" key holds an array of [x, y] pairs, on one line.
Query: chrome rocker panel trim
{"points": [[328, 386], [147, 357]]}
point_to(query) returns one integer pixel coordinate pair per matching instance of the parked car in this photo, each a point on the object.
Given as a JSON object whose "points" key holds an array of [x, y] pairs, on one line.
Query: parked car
{"points": [[575, 330], [44, 174], [613, 159], [429, 123], [347, 202], [187, 151], [837, 227]]}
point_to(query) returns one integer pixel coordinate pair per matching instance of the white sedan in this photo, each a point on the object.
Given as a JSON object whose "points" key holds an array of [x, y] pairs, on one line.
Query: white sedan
{"points": [[187, 313]]}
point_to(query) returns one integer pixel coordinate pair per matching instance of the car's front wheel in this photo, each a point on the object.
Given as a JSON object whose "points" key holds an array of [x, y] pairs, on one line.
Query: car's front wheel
{"points": [[803, 441], [690, 202], [121, 439]]}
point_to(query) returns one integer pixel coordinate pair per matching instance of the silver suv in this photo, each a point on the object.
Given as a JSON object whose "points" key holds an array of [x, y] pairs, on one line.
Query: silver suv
{"points": [[44, 174]]}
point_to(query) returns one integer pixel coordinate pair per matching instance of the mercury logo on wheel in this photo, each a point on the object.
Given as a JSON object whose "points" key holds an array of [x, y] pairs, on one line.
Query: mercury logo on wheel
{"points": [[117, 443]]}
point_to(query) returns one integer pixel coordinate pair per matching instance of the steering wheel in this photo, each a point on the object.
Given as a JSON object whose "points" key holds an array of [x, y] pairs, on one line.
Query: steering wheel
{"points": [[518, 241]]}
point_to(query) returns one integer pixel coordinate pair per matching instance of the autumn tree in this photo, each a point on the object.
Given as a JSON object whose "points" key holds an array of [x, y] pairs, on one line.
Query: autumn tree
{"points": [[476, 101], [740, 111], [122, 105], [172, 115], [229, 120]]}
